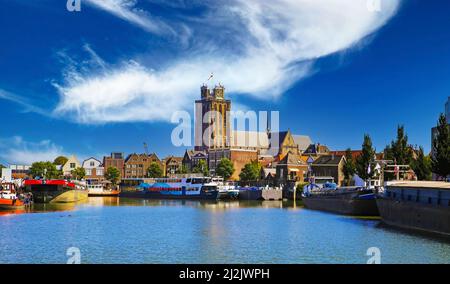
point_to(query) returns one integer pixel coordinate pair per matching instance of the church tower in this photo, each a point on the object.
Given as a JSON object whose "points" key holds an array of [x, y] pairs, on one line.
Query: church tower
{"points": [[212, 129]]}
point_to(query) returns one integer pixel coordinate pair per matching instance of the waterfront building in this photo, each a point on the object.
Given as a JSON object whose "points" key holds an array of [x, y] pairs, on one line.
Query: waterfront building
{"points": [[94, 170], [191, 158], [239, 158], [291, 168], [136, 165], [17, 171], [173, 166], [71, 164], [116, 160], [329, 166]]}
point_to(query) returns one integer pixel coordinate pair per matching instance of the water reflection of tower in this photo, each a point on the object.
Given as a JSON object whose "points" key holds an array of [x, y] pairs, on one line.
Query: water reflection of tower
{"points": [[211, 119]]}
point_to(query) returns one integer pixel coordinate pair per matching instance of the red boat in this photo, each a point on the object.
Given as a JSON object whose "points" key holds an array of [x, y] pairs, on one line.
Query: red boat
{"points": [[8, 197]]}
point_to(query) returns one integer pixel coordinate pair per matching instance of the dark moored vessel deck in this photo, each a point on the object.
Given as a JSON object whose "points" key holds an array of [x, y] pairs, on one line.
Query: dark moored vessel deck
{"points": [[420, 206], [347, 202]]}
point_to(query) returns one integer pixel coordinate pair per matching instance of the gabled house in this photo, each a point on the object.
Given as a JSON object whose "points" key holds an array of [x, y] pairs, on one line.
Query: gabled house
{"points": [[329, 166], [136, 165], [191, 158], [291, 168], [94, 170], [173, 166], [71, 164]]}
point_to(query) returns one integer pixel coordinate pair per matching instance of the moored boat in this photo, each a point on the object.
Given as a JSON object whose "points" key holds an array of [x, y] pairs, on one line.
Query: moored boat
{"points": [[176, 188], [55, 191], [9, 199], [260, 193], [102, 189], [355, 201], [416, 205]]}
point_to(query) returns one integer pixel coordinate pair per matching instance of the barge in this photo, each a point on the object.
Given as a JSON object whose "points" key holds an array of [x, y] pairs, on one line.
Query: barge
{"points": [[354, 201], [416, 205], [256, 193], [55, 191]]}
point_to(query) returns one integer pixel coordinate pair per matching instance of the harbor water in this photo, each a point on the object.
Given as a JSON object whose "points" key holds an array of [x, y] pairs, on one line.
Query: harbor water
{"points": [[114, 230]]}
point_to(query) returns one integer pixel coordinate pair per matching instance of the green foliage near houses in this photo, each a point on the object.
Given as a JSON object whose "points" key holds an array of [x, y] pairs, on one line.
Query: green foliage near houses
{"points": [[349, 167], [45, 170], [440, 159], [154, 171], [225, 168], [400, 151], [365, 159], [250, 172], [60, 161], [78, 173], [422, 166], [183, 170], [113, 175], [201, 168]]}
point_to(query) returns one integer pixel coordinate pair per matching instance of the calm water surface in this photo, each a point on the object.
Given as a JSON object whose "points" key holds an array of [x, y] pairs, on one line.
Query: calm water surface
{"points": [[112, 230]]}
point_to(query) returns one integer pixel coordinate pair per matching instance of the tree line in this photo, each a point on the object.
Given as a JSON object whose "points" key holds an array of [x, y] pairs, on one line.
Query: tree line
{"points": [[402, 153]]}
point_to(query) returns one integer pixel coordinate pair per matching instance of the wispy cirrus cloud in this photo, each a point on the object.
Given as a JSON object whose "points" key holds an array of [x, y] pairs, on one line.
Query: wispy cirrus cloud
{"points": [[16, 150], [126, 10], [256, 48]]}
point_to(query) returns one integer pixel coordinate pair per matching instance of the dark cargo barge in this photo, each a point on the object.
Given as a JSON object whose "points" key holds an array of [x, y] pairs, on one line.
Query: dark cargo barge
{"points": [[419, 206], [346, 201]]}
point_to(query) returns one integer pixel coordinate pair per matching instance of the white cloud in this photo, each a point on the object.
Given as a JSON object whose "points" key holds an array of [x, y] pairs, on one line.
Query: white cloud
{"points": [[125, 10], [258, 48], [15, 150]]}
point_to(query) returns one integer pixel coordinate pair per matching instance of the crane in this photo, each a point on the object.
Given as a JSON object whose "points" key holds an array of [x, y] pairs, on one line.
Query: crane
{"points": [[146, 148]]}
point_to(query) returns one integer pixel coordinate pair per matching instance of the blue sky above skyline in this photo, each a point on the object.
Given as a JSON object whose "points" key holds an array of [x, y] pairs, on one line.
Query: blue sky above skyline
{"points": [[109, 77]]}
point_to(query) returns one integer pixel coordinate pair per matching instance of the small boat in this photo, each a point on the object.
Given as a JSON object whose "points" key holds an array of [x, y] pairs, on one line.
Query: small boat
{"points": [[227, 190], [260, 193], [9, 200], [416, 205], [103, 189], [56, 191], [355, 201]]}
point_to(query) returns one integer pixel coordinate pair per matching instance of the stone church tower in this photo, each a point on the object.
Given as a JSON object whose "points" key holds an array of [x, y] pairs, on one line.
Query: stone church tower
{"points": [[212, 127]]}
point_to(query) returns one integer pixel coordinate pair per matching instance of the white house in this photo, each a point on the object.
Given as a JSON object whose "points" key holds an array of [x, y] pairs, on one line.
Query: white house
{"points": [[94, 170]]}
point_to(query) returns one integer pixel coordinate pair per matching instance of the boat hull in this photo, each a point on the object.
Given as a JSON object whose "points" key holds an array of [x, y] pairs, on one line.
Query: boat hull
{"points": [[415, 216], [266, 194], [212, 195], [7, 204], [59, 196], [356, 203], [106, 193]]}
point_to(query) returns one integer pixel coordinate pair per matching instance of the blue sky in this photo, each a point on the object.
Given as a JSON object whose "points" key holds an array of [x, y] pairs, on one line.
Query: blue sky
{"points": [[109, 77]]}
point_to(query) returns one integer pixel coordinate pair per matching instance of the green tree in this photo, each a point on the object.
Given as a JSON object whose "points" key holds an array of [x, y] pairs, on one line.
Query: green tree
{"points": [[154, 171], [60, 161], [440, 158], [349, 166], [225, 168], [113, 175], [201, 168], [183, 170], [44, 170], [422, 166], [366, 158], [399, 150], [78, 173], [250, 172]]}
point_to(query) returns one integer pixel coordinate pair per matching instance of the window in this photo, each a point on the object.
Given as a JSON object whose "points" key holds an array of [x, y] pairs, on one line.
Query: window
{"points": [[92, 164], [88, 172], [99, 172], [72, 165]]}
